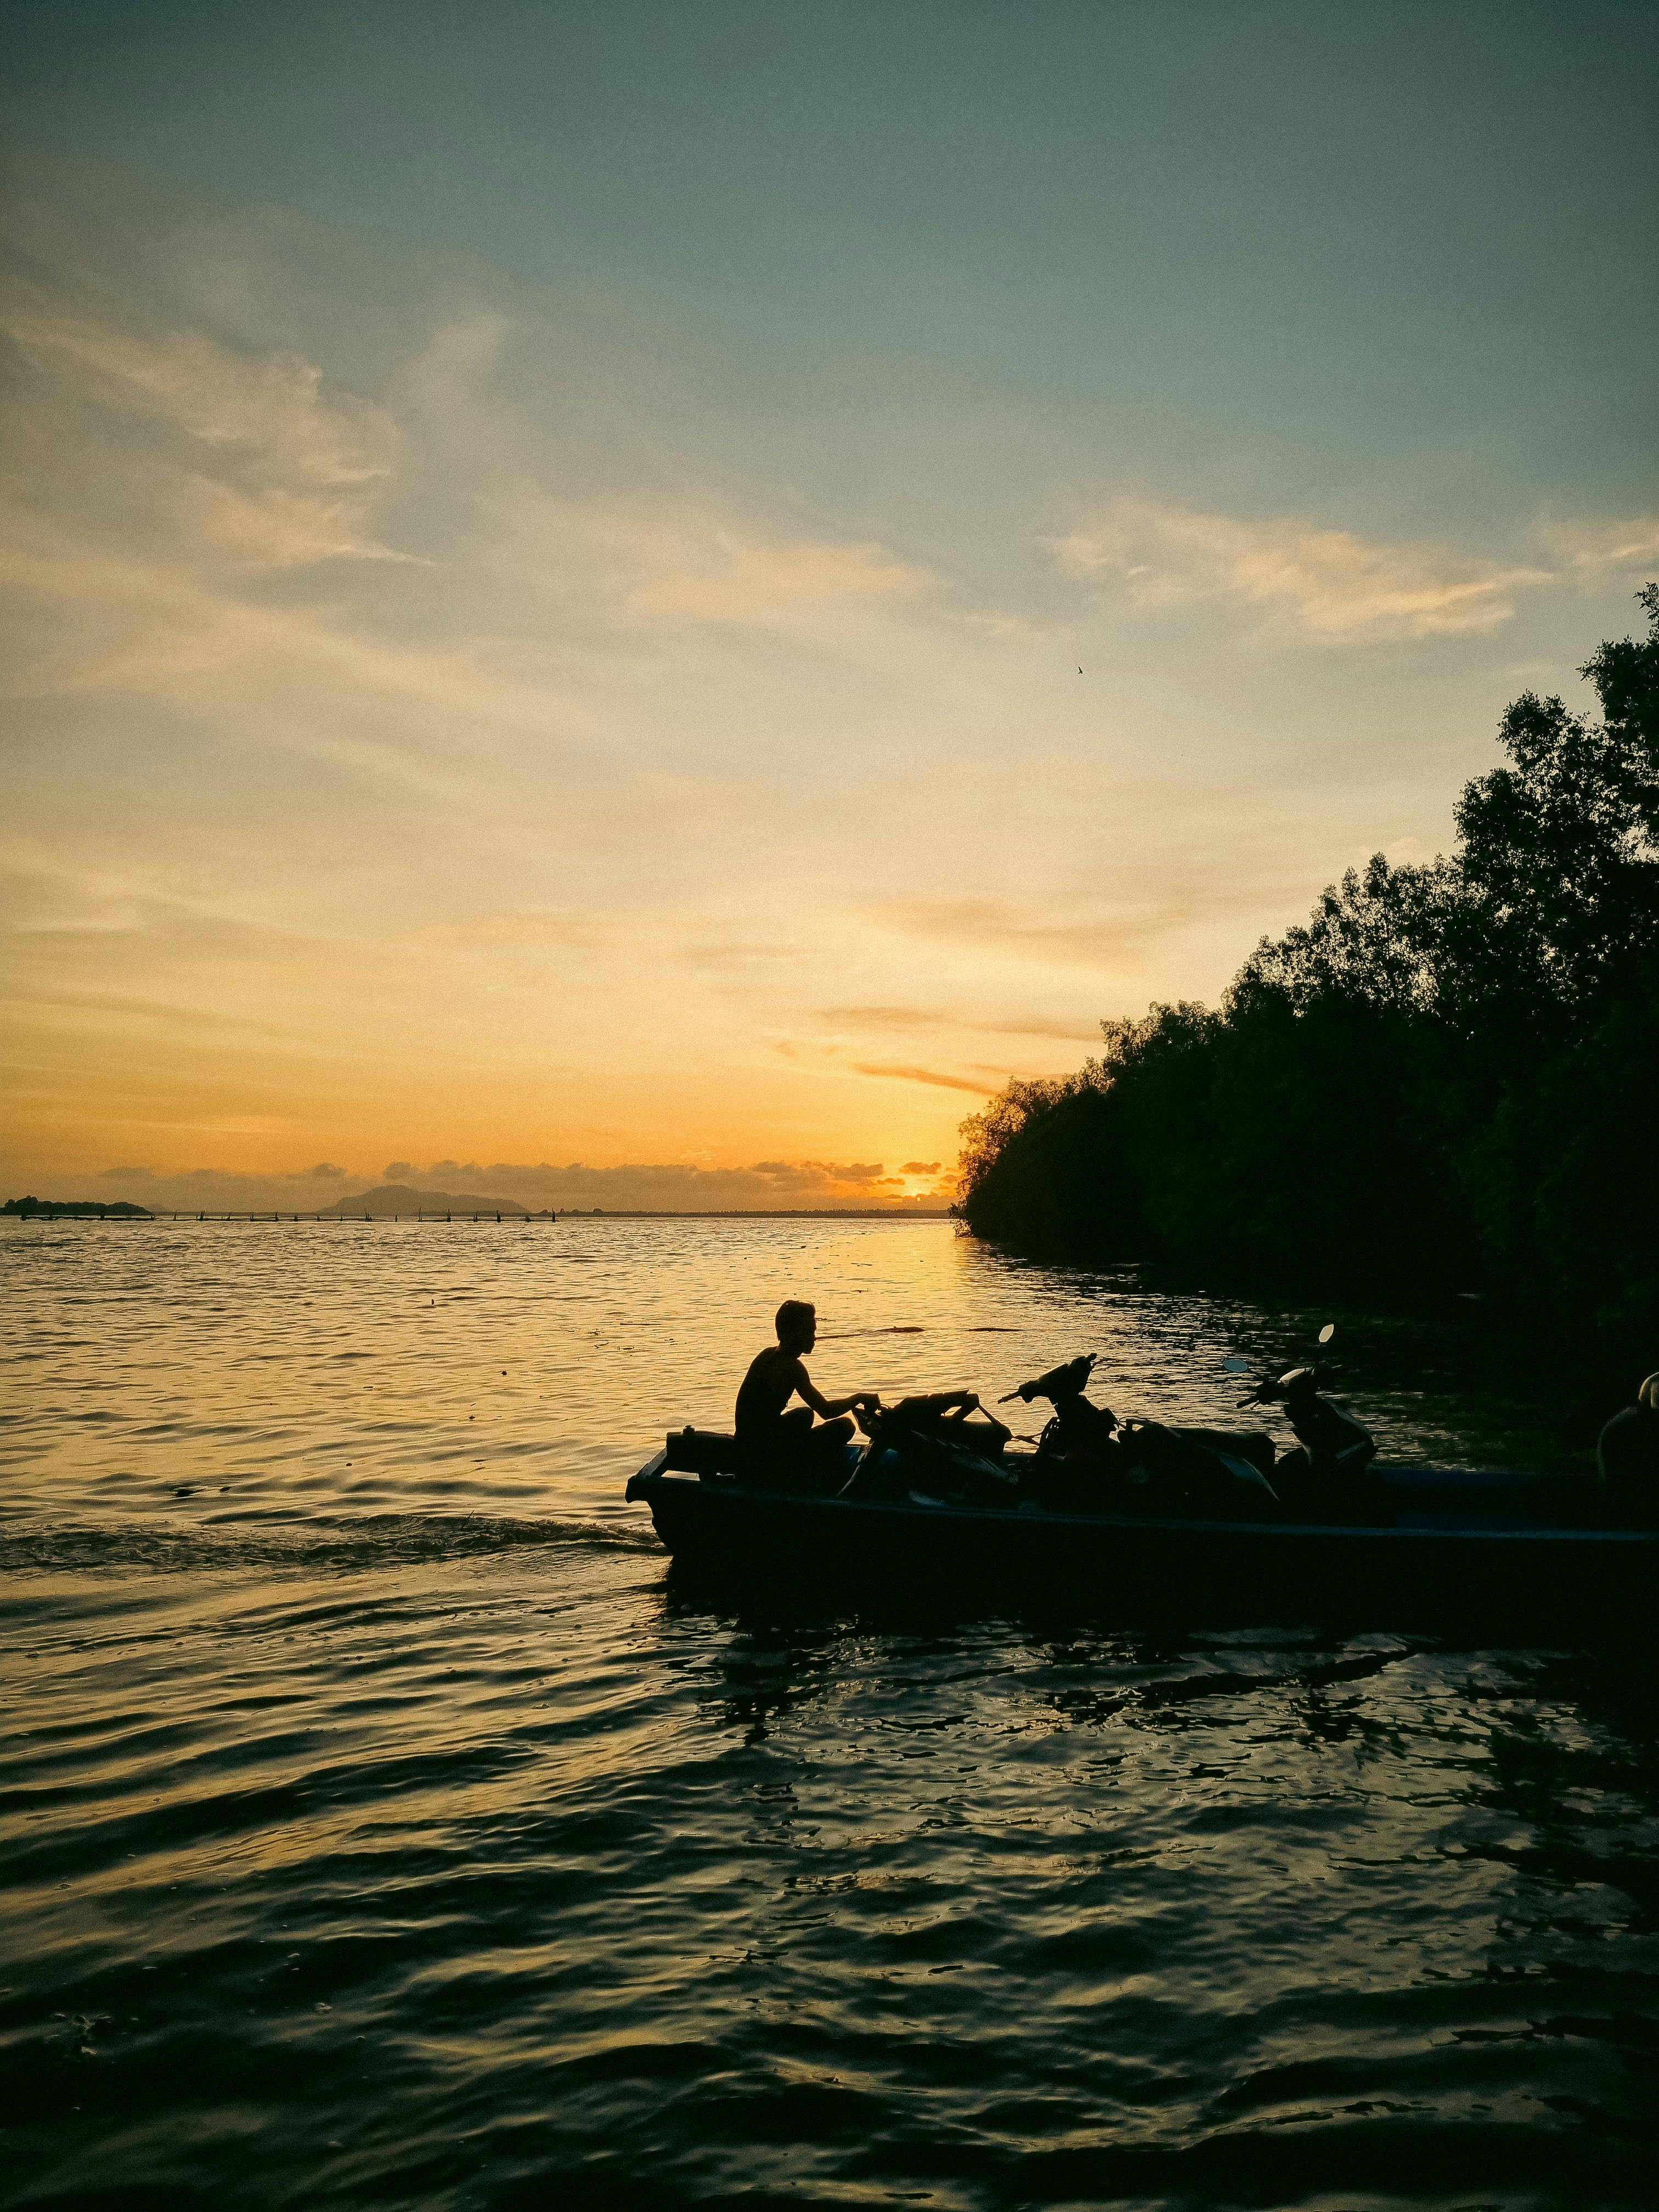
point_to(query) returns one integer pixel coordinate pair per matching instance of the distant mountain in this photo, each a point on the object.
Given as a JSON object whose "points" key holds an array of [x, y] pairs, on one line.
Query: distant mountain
{"points": [[398, 1198], [25, 1206]]}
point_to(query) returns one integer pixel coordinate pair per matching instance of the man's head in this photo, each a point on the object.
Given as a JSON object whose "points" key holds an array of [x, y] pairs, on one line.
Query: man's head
{"points": [[1648, 1395], [797, 1324]]}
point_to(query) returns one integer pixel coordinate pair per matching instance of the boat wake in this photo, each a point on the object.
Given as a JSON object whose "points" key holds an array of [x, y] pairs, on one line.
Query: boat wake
{"points": [[339, 1543]]}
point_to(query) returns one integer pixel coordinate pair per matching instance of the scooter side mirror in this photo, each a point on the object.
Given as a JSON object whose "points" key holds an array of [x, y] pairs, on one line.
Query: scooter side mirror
{"points": [[1235, 1366], [1327, 1332]]}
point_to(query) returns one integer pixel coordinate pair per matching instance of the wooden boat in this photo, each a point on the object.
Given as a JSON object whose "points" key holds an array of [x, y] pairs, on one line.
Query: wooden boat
{"points": [[1436, 1542]]}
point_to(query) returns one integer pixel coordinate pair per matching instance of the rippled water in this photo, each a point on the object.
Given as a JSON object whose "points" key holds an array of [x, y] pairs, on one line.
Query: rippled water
{"points": [[383, 1826]]}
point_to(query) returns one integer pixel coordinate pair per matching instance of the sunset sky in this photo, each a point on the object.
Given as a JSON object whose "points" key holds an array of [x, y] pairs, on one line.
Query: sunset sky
{"points": [[688, 588]]}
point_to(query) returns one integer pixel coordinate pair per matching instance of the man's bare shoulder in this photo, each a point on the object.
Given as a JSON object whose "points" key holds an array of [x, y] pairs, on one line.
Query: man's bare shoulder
{"points": [[776, 1364], [772, 1363]]}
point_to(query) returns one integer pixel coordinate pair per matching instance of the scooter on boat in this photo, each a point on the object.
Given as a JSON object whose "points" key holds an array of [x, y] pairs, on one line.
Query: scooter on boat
{"points": [[1088, 1460], [932, 1444], [1078, 1463], [1333, 1448]]}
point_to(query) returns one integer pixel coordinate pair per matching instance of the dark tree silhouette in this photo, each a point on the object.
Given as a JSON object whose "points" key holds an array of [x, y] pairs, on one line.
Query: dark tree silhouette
{"points": [[1448, 1075]]}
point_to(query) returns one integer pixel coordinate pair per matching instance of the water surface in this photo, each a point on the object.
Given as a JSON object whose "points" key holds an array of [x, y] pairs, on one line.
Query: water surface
{"points": [[383, 1826]]}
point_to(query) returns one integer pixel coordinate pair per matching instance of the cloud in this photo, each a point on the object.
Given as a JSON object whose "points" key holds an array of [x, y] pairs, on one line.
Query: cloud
{"points": [[739, 958], [197, 530], [906, 1019], [593, 521], [713, 571], [920, 1167], [250, 464], [902, 1072], [911, 1020], [1068, 1032], [224, 1190], [270, 405], [802, 1052], [986, 923], [1331, 584], [1596, 551], [858, 1172], [669, 1185]]}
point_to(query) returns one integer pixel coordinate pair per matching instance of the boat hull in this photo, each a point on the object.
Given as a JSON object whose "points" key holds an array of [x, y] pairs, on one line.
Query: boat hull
{"points": [[1543, 1577]]}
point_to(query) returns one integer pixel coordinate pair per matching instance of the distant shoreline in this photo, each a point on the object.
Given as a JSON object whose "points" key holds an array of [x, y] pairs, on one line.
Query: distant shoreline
{"points": [[90, 1212]]}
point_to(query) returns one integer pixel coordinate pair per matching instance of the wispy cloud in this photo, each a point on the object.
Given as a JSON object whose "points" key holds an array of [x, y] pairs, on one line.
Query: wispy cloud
{"points": [[1088, 941], [840, 1058], [652, 545], [907, 1019], [1070, 1032], [938, 1078], [1297, 577], [917, 1020], [713, 572], [1594, 551], [251, 464]]}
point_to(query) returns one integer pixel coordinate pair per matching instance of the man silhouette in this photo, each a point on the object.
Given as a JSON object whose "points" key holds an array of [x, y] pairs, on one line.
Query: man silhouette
{"points": [[787, 1443]]}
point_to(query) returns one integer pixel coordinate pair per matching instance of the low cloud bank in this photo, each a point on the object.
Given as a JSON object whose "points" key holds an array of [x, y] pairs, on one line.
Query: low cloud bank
{"points": [[675, 1186], [669, 1186]]}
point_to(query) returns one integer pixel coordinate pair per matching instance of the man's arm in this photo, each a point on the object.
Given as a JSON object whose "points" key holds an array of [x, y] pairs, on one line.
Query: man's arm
{"points": [[827, 1408]]}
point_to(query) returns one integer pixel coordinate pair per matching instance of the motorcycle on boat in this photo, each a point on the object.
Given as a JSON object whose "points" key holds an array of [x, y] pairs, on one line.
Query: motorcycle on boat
{"points": [[1333, 1448]]}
